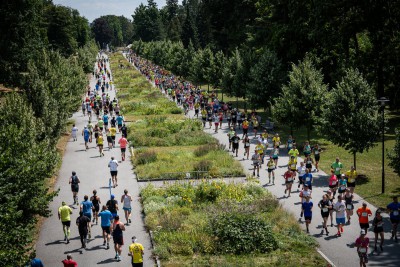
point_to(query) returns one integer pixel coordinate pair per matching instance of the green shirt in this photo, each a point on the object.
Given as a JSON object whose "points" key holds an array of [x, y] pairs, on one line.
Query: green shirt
{"points": [[337, 167], [65, 213], [293, 152]]}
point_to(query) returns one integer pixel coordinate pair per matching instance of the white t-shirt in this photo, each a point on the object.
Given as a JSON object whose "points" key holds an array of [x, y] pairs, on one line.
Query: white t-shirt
{"points": [[113, 165], [301, 170], [340, 208], [74, 130]]}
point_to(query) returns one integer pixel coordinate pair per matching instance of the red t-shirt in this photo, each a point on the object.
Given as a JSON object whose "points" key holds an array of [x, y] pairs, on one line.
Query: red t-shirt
{"points": [[70, 263], [123, 142], [363, 244], [363, 213]]}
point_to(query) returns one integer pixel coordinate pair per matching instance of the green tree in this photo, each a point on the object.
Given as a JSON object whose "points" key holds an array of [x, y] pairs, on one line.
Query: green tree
{"points": [[351, 117], [266, 80], [305, 94], [394, 154]]}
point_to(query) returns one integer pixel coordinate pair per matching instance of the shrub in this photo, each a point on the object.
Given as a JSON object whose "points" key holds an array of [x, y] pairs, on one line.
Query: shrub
{"points": [[205, 149], [208, 192], [203, 165], [241, 234], [145, 157]]}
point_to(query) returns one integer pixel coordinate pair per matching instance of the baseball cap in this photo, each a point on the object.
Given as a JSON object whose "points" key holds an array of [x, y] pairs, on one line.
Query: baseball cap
{"points": [[112, 196], [362, 232]]}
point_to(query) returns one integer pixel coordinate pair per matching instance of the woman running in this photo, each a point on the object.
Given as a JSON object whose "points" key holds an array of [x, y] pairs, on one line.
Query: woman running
{"points": [[362, 244], [309, 161], [329, 194], [317, 156], [246, 142], [275, 155], [325, 205], [333, 181], [348, 199], [342, 183], [96, 206], [289, 177], [270, 168], [378, 229]]}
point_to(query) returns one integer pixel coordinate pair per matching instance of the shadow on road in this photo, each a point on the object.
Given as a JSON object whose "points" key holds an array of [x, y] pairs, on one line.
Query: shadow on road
{"points": [[107, 261]]}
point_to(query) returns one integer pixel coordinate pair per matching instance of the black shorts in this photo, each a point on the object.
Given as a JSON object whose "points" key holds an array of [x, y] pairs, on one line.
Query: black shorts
{"points": [[235, 145], [364, 225], [317, 157], [114, 173], [394, 221], [113, 138], [118, 240], [325, 214], [351, 184], [75, 188], [332, 186], [307, 218], [378, 229], [270, 170], [137, 264], [96, 208], [66, 223], [123, 149], [109, 139], [308, 166], [289, 182], [106, 229]]}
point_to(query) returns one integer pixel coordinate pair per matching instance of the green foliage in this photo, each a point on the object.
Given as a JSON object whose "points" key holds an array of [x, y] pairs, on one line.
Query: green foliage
{"points": [[351, 117], [394, 154], [145, 157], [243, 234], [112, 30], [302, 99]]}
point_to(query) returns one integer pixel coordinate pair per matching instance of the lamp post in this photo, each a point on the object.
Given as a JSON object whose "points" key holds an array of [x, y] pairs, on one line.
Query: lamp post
{"points": [[383, 101]]}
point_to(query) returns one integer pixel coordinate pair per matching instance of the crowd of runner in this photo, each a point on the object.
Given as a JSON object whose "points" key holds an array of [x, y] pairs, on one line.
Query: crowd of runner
{"points": [[104, 124], [246, 129]]}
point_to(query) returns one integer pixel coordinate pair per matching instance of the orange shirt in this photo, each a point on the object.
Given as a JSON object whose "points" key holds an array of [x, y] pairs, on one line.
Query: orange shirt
{"points": [[363, 214], [123, 142]]}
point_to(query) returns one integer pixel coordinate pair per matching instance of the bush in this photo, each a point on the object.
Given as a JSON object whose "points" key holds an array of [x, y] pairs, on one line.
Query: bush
{"points": [[205, 149], [242, 234], [203, 165], [145, 157]]}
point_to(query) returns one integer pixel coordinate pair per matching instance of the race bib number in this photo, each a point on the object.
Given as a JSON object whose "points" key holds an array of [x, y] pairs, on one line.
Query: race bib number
{"points": [[337, 169], [325, 209], [316, 152], [334, 183], [290, 179], [343, 187], [247, 144], [380, 224], [364, 214], [290, 145], [363, 250], [349, 206], [308, 179], [395, 213]]}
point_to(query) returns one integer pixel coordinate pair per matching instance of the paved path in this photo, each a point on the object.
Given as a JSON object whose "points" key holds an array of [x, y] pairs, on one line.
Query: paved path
{"points": [[339, 250], [93, 174]]}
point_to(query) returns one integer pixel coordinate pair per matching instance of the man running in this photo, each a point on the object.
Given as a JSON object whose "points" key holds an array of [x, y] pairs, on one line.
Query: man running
{"points": [[363, 213], [122, 144], [126, 201], [106, 218], [83, 223], [256, 163], [112, 206], [340, 209], [74, 132], [307, 211], [118, 228], [394, 209], [337, 167], [74, 182], [351, 176], [120, 121], [69, 262], [86, 136], [113, 165], [235, 143], [86, 208], [136, 251], [362, 244], [64, 214]]}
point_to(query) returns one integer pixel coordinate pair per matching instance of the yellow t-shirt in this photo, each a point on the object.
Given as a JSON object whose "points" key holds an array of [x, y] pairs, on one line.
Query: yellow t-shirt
{"points": [[100, 140], [260, 148], [65, 212], [276, 140], [293, 152], [136, 250], [113, 131], [352, 175]]}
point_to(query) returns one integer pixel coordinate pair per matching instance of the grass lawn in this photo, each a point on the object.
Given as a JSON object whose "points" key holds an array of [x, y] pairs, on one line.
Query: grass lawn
{"points": [[221, 224]]}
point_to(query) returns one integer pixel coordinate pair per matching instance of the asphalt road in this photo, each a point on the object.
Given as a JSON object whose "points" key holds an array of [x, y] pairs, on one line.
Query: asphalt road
{"points": [[93, 173], [339, 251]]}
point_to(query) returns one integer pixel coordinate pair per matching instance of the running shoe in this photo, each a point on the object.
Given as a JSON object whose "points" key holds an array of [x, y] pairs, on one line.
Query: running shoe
{"points": [[129, 220]]}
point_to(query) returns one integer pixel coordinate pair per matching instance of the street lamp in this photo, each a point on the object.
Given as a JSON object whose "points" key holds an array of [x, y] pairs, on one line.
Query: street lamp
{"points": [[383, 101]]}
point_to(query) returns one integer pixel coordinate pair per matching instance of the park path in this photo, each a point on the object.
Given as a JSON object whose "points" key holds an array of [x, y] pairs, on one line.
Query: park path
{"points": [[338, 251], [93, 173]]}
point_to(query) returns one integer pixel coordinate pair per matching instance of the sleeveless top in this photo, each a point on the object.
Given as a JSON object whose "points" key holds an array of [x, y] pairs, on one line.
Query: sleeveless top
{"points": [[95, 201], [127, 202], [74, 180]]}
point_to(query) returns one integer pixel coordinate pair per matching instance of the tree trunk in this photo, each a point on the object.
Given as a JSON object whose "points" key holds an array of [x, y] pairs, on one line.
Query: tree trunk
{"points": [[222, 93], [354, 160]]}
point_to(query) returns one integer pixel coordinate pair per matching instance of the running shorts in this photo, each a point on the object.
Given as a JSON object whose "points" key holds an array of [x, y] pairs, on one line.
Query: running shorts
{"points": [[123, 149], [114, 173], [106, 229], [66, 223], [341, 221]]}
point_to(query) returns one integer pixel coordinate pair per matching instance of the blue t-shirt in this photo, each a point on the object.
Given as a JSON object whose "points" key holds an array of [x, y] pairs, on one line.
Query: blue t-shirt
{"points": [[106, 217], [307, 179], [87, 207], [307, 207], [105, 119], [394, 207], [36, 263], [120, 119], [86, 133]]}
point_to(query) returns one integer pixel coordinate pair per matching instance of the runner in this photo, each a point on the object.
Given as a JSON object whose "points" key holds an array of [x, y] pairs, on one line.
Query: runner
{"points": [[204, 117], [245, 126], [136, 251], [74, 132], [333, 183], [270, 168], [100, 143], [113, 165], [309, 161], [329, 194], [340, 208], [362, 244], [69, 262], [306, 209], [106, 218], [246, 142], [325, 205], [64, 214], [306, 192], [363, 213], [276, 140], [275, 155], [317, 156], [394, 209], [120, 121], [83, 223], [112, 206], [216, 122], [342, 183], [351, 176], [126, 201], [235, 143], [86, 208], [100, 124], [86, 137], [122, 144], [378, 229], [260, 150], [96, 206], [337, 167], [230, 134], [105, 120], [289, 143], [118, 228], [348, 199], [109, 140], [256, 163], [74, 182], [289, 177], [113, 133], [83, 108], [301, 170], [124, 131], [307, 179], [307, 149], [293, 152]]}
